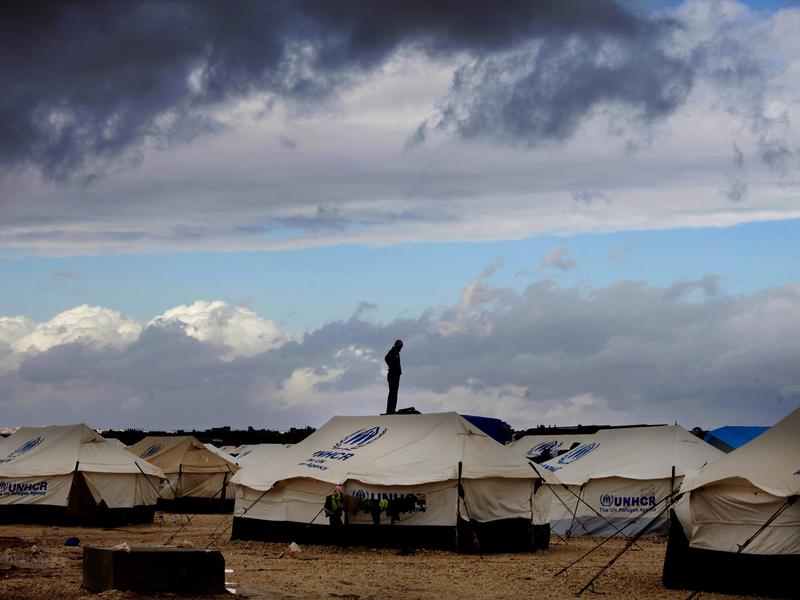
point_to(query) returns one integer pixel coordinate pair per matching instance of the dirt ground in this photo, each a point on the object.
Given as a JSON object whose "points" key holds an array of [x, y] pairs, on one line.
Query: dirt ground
{"points": [[52, 571]]}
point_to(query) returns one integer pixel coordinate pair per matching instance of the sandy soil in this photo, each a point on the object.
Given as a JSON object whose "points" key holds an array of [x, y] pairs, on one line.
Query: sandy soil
{"points": [[54, 572]]}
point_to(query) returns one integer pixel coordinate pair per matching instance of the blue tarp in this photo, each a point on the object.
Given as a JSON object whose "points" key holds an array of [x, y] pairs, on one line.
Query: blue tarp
{"points": [[731, 437], [494, 428]]}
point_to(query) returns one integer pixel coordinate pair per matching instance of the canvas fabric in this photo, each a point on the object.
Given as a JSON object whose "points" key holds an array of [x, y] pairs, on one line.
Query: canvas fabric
{"points": [[725, 516], [227, 456], [732, 498], [387, 455], [197, 485], [37, 465], [299, 500], [618, 501], [770, 462], [632, 453], [390, 450], [253, 453], [184, 454], [621, 473]]}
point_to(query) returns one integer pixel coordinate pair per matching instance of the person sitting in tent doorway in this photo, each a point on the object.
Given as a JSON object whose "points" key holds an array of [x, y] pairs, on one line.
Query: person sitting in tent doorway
{"points": [[392, 359], [334, 506]]}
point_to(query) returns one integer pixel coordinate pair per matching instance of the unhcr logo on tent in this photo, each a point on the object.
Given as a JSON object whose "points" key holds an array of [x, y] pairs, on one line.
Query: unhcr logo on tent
{"points": [[627, 502], [154, 449], [26, 447], [344, 448], [571, 456], [360, 438], [23, 488], [544, 446], [579, 452]]}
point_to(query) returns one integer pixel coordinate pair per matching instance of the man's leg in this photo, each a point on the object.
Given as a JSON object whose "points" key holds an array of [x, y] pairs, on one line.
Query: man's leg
{"points": [[391, 400]]}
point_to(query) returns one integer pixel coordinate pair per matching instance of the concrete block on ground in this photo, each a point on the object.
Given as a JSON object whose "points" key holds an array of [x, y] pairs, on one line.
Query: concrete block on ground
{"points": [[154, 569]]}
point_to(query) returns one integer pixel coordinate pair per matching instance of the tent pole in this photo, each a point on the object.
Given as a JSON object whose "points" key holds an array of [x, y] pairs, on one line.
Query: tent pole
{"points": [[222, 491], [671, 491], [789, 502], [146, 479], [215, 536], [626, 547], [631, 522], [158, 494], [559, 498], [462, 496], [575, 510], [591, 508]]}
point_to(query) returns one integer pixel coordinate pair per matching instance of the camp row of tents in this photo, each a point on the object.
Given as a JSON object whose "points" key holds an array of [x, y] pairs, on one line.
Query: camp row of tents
{"points": [[442, 480], [72, 473]]}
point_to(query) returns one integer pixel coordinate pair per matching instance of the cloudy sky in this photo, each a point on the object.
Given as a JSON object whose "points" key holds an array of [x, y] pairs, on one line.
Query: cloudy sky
{"points": [[572, 212]]}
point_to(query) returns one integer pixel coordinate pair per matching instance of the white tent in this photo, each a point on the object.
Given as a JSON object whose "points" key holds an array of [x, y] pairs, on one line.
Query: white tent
{"points": [[253, 453], [532, 446], [193, 470], [731, 498], [739, 528], [619, 475], [389, 457], [224, 454], [72, 470]]}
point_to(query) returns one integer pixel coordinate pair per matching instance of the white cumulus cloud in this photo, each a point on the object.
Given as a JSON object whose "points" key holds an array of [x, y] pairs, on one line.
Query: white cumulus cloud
{"points": [[94, 326], [239, 329], [13, 329]]}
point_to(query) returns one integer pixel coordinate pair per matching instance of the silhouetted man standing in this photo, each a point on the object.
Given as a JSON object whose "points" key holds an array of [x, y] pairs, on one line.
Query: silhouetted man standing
{"points": [[392, 359]]}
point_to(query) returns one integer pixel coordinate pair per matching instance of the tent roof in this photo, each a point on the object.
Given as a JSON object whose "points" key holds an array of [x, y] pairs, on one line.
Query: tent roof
{"points": [[632, 453], [220, 452], [770, 462], [252, 453], [56, 450], [184, 454], [390, 450]]}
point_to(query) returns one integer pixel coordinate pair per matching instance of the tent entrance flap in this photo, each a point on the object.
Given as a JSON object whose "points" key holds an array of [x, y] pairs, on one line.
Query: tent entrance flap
{"points": [[82, 502]]}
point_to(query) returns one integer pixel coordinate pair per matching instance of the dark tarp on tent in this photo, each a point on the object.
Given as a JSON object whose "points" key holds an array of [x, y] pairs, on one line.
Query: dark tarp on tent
{"points": [[494, 428], [730, 437]]}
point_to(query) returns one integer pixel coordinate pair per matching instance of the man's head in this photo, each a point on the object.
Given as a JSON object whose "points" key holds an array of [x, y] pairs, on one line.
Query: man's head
{"points": [[398, 344]]}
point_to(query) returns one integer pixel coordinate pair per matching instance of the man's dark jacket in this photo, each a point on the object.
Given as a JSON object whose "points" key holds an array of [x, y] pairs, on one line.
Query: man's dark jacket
{"points": [[392, 359]]}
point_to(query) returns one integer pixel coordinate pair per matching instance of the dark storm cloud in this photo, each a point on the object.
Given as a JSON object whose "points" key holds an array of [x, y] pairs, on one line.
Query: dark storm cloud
{"points": [[88, 82], [587, 198], [737, 177], [543, 92]]}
